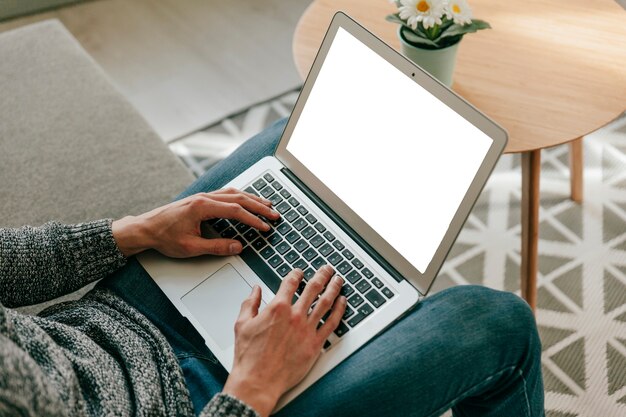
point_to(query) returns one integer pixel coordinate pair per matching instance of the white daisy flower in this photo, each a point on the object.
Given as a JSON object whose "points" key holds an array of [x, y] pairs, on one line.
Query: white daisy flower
{"points": [[460, 12], [429, 12]]}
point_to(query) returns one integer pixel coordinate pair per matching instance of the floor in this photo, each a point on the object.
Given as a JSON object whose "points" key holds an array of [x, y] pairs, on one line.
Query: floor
{"points": [[186, 64]]}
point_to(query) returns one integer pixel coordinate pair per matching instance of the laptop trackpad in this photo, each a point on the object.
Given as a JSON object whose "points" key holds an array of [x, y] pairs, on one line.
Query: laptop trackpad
{"points": [[216, 301]]}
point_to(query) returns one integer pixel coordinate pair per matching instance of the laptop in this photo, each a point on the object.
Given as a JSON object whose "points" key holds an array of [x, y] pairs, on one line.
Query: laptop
{"points": [[377, 170]]}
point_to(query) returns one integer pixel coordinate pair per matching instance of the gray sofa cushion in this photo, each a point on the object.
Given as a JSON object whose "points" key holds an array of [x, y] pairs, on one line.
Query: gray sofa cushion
{"points": [[71, 147]]}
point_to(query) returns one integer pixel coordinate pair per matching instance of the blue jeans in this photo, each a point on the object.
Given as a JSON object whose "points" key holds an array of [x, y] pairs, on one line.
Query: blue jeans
{"points": [[468, 348]]}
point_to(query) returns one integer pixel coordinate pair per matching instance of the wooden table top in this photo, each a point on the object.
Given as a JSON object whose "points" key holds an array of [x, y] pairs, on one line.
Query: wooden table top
{"points": [[550, 71]]}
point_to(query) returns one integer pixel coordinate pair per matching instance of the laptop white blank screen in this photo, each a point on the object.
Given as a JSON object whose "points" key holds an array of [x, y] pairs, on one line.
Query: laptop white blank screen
{"points": [[397, 156]]}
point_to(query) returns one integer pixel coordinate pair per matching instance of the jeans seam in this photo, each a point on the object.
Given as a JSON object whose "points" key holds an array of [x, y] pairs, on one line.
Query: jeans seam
{"points": [[521, 375], [466, 393]]}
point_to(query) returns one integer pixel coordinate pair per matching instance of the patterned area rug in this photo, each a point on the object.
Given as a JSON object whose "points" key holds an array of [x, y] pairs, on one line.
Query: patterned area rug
{"points": [[582, 266]]}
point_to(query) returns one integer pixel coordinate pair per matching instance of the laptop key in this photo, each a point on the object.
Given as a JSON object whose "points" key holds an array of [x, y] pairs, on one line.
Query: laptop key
{"points": [[228, 233], [363, 286], [283, 270], [242, 228], [294, 202], [353, 277], [349, 255], [301, 245], [317, 240], [311, 219], [285, 193], [388, 293], [339, 246], [284, 228], [377, 283], [283, 207], [329, 236], [267, 192], [299, 224], [259, 243], [264, 272], [251, 235], [268, 177], [309, 254], [308, 232], [375, 298], [274, 239], [346, 290], [334, 259], [300, 264], [326, 250], [320, 227], [368, 274], [275, 261], [341, 329], [302, 210], [292, 236], [275, 199], [292, 256], [308, 273], [291, 215], [357, 263], [267, 252], [356, 300], [277, 186], [318, 263], [362, 313], [242, 240], [348, 312], [220, 225], [344, 267], [258, 184], [282, 247]]}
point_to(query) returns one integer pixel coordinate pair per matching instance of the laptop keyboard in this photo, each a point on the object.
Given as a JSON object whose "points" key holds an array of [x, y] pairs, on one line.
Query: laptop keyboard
{"points": [[298, 240]]}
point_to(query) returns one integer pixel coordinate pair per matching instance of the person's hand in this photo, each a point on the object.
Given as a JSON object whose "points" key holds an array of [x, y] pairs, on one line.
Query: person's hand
{"points": [[174, 229], [275, 349]]}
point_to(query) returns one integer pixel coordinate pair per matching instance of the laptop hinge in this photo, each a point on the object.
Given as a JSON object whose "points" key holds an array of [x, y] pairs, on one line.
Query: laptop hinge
{"points": [[343, 225]]}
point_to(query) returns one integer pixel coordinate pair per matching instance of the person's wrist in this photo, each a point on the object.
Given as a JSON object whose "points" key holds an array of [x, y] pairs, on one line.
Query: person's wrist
{"points": [[131, 234], [258, 396]]}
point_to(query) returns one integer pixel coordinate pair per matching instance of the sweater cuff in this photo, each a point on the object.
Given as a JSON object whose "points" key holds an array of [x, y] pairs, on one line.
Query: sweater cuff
{"points": [[93, 248], [225, 405]]}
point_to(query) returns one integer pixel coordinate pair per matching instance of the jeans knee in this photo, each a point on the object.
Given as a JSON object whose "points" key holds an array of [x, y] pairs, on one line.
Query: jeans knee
{"points": [[497, 321]]}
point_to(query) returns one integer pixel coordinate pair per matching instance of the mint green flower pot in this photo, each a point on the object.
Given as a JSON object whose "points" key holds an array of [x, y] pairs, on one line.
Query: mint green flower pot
{"points": [[439, 63]]}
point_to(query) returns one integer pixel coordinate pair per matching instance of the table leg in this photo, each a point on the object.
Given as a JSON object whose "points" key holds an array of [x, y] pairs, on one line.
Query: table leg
{"points": [[576, 170], [531, 170]]}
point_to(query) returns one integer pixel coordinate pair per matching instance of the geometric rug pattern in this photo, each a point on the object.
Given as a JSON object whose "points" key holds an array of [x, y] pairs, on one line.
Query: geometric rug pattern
{"points": [[582, 255]]}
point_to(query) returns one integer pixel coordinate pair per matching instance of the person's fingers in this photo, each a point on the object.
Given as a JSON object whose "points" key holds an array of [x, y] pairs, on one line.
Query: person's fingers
{"points": [[250, 306], [331, 323], [314, 287], [289, 285], [209, 208], [231, 190], [246, 201], [326, 300], [217, 246]]}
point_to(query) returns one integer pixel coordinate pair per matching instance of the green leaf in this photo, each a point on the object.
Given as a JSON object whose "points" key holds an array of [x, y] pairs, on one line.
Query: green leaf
{"points": [[395, 18], [415, 39], [456, 30]]}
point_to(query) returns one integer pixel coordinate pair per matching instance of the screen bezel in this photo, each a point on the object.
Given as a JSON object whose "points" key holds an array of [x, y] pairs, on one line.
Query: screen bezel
{"points": [[421, 281]]}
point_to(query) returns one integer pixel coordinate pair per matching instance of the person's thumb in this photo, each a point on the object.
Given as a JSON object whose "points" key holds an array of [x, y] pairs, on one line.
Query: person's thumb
{"points": [[219, 246], [250, 306]]}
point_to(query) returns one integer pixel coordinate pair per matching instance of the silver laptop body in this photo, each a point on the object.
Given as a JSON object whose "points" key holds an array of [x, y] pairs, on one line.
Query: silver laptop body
{"points": [[376, 172]]}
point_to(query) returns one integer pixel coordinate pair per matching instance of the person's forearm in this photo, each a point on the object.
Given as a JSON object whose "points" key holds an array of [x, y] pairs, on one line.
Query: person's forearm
{"points": [[41, 263]]}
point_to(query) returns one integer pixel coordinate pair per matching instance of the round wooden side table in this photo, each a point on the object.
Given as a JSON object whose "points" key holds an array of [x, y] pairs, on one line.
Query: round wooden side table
{"points": [[549, 72]]}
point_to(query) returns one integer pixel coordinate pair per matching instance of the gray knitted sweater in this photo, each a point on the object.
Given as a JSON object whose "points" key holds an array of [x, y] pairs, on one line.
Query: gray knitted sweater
{"points": [[96, 356]]}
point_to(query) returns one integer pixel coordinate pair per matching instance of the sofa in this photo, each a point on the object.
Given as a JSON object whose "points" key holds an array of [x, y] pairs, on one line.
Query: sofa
{"points": [[72, 149]]}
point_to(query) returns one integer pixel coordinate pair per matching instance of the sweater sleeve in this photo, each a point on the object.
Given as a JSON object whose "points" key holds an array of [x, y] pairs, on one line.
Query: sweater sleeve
{"points": [[38, 264], [224, 405]]}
